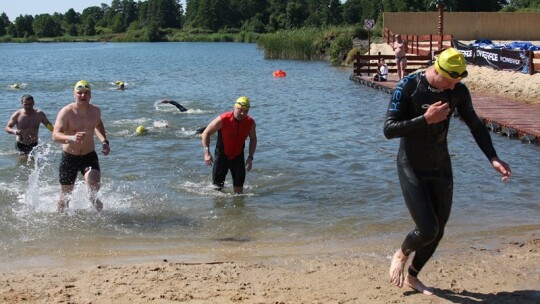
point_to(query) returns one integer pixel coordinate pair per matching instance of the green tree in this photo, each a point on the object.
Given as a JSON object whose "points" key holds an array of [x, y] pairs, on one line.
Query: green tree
{"points": [[4, 23], [93, 12], [72, 30], [120, 14], [45, 25], [296, 13], [5, 18], [23, 26], [89, 26], [331, 12], [243, 12], [480, 5], [72, 17], [152, 32], [352, 11], [255, 24], [277, 18], [169, 13], [210, 14], [11, 30], [526, 3], [116, 24]]}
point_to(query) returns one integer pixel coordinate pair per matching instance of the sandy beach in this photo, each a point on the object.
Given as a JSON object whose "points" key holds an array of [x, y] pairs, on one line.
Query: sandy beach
{"points": [[506, 275], [523, 88], [507, 272]]}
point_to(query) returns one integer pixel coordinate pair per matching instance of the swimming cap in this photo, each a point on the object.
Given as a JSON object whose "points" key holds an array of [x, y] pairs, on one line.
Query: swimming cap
{"points": [[82, 86], [242, 103], [451, 64], [140, 130]]}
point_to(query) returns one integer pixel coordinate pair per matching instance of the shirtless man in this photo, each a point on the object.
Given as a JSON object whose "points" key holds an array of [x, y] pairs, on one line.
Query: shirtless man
{"points": [[75, 127], [27, 121], [400, 49]]}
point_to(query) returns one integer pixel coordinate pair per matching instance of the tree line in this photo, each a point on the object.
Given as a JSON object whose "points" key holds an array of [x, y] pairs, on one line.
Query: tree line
{"points": [[258, 16]]}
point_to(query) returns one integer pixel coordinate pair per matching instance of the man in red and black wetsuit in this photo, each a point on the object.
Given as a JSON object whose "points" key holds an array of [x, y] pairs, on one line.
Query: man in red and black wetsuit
{"points": [[233, 129]]}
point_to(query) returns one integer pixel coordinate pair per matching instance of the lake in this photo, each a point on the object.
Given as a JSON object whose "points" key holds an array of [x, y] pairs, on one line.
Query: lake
{"points": [[323, 180]]}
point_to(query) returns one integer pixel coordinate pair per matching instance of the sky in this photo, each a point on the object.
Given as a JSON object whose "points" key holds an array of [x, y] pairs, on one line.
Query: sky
{"points": [[14, 8]]}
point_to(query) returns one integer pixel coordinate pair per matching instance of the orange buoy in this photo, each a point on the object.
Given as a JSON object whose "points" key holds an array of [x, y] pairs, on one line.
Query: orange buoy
{"points": [[279, 73]]}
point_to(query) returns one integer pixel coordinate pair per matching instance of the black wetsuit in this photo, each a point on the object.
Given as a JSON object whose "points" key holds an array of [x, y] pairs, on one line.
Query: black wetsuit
{"points": [[178, 106], [222, 164], [423, 161]]}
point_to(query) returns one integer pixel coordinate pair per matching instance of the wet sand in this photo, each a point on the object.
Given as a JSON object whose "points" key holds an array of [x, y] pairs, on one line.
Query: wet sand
{"points": [[509, 274]]}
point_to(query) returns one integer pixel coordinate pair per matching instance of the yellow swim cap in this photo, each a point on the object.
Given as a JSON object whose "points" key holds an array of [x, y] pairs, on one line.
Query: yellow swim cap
{"points": [[451, 64], [82, 86], [242, 103], [140, 130]]}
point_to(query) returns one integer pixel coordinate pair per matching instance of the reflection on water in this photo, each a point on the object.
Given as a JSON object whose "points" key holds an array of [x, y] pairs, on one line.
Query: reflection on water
{"points": [[323, 179]]}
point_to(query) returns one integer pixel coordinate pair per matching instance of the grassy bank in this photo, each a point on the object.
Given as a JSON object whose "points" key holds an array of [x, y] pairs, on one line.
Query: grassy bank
{"points": [[332, 44]]}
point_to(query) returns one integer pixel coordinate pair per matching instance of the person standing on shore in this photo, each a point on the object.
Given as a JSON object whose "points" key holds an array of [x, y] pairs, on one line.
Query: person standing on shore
{"points": [[400, 49], [75, 127], [233, 129], [27, 121], [419, 113]]}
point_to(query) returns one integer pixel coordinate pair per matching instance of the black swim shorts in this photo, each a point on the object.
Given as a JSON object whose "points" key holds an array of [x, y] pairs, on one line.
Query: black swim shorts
{"points": [[26, 149], [71, 164]]}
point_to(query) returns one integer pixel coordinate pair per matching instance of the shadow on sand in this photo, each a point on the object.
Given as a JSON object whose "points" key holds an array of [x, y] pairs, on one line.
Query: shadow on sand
{"points": [[467, 297]]}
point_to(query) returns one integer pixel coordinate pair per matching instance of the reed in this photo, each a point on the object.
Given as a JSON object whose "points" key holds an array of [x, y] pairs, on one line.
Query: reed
{"points": [[190, 36], [303, 44]]}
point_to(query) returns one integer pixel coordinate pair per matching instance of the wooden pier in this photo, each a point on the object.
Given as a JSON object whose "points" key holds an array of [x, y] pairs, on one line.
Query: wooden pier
{"points": [[504, 116]]}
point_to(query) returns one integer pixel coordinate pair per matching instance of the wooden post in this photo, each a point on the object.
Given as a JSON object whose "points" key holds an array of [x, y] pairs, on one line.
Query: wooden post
{"points": [[440, 6], [531, 63], [431, 45], [369, 48]]}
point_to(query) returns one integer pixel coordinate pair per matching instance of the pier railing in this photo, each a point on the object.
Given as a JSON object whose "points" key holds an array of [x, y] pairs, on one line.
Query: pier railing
{"points": [[421, 44], [365, 65]]}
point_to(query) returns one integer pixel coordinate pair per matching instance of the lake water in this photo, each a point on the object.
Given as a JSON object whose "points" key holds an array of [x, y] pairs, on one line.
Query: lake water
{"points": [[324, 177]]}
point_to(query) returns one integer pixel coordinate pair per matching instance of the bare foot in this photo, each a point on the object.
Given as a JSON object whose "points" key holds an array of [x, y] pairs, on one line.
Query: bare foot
{"points": [[397, 267], [417, 285], [98, 204]]}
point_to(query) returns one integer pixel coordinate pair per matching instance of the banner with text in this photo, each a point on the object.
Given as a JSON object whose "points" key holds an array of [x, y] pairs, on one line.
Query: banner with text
{"points": [[499, 59]]}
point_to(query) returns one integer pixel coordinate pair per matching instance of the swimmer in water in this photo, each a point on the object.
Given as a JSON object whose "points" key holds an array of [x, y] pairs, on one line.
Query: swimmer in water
{"points": [[419, 113], [233, 129], [27, 121], [182, 109], [75, 127], [174, 103]]}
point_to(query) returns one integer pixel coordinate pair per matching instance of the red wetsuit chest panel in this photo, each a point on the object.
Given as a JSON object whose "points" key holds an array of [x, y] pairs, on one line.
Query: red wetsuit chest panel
{"points": [[234, 133]]}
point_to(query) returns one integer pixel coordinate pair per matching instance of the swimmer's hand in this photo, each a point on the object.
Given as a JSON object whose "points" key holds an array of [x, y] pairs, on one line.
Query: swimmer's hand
{"points": [[437, 112], [79, 136], [501, 167], [208, 159], [106, 148], [249, 164]]}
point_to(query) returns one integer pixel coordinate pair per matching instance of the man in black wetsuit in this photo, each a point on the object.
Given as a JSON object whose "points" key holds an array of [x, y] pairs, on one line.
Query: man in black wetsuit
{"points": [[419, 113]]}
